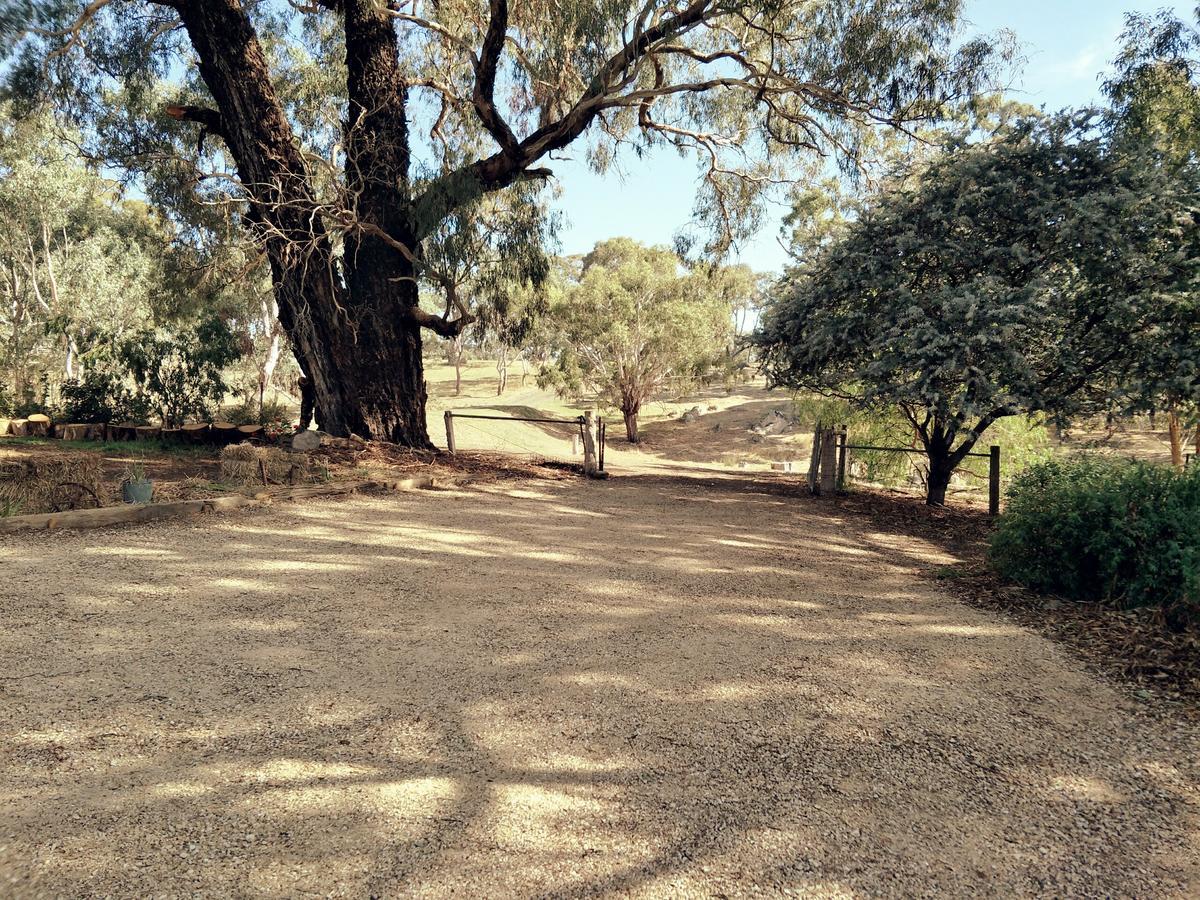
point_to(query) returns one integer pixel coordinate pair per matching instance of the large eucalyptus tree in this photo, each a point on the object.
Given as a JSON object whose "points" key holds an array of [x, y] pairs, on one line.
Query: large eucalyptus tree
{"points": [[354, 130]]}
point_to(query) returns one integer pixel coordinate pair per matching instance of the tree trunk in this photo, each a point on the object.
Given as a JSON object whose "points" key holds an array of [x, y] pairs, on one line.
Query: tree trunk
{"points": [[1175, 431], [631, 423], [356, 338], [502, 371], [941, 468]]}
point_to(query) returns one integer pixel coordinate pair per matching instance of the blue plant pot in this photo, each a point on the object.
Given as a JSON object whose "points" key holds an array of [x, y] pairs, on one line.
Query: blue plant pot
{"points": [[137, 491]]}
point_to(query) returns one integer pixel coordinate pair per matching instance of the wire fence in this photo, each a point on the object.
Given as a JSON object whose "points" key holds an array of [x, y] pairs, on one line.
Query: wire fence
{"points": [[551, 440], [830, 471]]}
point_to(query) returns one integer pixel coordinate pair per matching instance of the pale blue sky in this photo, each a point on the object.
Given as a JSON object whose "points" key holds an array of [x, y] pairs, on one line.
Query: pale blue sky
{"points": [[1067, 43]]}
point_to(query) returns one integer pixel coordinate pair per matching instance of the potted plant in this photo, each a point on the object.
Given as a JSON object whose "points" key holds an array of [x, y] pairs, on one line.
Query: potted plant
{"points": [[136, 487]]}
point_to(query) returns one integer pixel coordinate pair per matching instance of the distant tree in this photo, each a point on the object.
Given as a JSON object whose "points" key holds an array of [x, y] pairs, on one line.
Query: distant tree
{"points": [[78, 267], [1010, 276], [1155, 96], [633, 322]]}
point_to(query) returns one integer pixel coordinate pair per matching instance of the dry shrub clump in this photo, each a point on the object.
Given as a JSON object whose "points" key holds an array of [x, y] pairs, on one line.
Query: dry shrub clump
{"points": [[30, 484], [249, 464]]}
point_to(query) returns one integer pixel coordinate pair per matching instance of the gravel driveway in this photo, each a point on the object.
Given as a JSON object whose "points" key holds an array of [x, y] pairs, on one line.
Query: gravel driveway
{"points": [[646, 687]]}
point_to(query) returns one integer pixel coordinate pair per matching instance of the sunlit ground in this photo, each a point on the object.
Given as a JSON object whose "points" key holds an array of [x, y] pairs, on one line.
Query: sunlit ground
{"points": [[646, 686]]}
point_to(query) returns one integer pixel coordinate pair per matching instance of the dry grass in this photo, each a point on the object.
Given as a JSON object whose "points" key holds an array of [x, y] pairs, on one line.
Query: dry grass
{"points": [[250, 464], [28, 483]]}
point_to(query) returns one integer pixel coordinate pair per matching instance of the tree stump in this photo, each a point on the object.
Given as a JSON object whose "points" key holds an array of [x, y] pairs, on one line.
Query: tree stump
{"points": [[223, 433], [147, 433], [38, 425], [251, 432], [125, 431], [79, 432], [18, 427], [194, 432]]}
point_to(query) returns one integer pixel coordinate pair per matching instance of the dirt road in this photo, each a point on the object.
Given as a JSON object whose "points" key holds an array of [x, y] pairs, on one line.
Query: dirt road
{"points": [[645, 687]]}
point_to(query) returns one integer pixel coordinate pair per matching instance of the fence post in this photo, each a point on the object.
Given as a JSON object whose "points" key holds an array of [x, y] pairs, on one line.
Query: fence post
{"points": [[829, 461], [843, 439], [994, 481], [814, 487], [450, 431], [603, 428]]}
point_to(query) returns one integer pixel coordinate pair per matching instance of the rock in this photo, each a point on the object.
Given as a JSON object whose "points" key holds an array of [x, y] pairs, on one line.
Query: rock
{"points": [[306, 440], [775, 423]]}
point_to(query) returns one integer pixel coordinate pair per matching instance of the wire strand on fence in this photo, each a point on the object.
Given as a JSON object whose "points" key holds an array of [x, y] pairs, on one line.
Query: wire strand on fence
{"points": [[505, 440]]}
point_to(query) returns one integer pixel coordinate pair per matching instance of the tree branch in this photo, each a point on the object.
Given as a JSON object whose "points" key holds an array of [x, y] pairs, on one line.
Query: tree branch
{"points": [[483, 95]]}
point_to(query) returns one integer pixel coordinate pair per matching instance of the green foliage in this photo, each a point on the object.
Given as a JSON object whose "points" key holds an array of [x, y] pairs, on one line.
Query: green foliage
{"points": [[100, 397], [1098, 529], [941, 300], [1155, 95], [274, 415], [632, 323], [181, 372]]}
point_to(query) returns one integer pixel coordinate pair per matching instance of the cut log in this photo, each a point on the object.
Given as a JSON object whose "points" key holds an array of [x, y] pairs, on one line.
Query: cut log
{"points": [[171, 435], [18, 427], [251, 432], [38, 425], [194, 432], [79, 432], [147, 433], [222, 433], [125, 431], [4, 425]]}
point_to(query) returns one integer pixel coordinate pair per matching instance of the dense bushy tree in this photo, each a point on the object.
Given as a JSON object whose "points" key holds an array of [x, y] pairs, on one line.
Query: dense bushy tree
{"points": [[1155, 95], [632, 323], [181, 372], [1011, 276], [353, 130]]}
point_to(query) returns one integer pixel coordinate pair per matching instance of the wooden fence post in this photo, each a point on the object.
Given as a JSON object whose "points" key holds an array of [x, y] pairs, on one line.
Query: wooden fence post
{"points": [[994, 481], [814, 486], [603, 431], [450, 431], [843, 440], [829, 462]]}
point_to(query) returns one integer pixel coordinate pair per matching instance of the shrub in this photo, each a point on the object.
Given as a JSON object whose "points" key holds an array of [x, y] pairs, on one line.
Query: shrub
{"points": [[1103, 529], [181, 372], [99, 398]]}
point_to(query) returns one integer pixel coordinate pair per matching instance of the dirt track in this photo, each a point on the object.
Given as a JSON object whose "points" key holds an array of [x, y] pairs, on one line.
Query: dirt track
{"points": [[648, 686]]}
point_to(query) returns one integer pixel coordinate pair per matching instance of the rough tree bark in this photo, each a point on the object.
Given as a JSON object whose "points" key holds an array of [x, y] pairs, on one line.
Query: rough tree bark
{"points": [[359, 342], [630, 414], [1175, 434]]}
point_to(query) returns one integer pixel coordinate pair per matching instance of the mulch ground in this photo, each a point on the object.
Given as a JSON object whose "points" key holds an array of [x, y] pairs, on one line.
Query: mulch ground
{"points": [[195, 473], [1152, 652]]}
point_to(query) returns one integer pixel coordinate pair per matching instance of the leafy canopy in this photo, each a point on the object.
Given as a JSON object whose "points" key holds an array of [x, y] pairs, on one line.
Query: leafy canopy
{"points": [[633, 322], [1006, 276]]}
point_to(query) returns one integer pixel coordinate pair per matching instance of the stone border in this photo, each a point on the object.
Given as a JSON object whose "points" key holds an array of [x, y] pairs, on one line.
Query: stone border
{"points": [[149, 512]]}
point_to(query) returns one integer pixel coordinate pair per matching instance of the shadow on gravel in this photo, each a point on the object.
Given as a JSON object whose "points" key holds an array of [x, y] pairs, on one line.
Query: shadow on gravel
{"points": [[651, 685]]}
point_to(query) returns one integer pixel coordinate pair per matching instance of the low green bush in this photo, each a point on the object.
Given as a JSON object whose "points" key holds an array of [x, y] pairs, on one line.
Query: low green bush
{"points": [[1102, 529], [98, 398]]}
